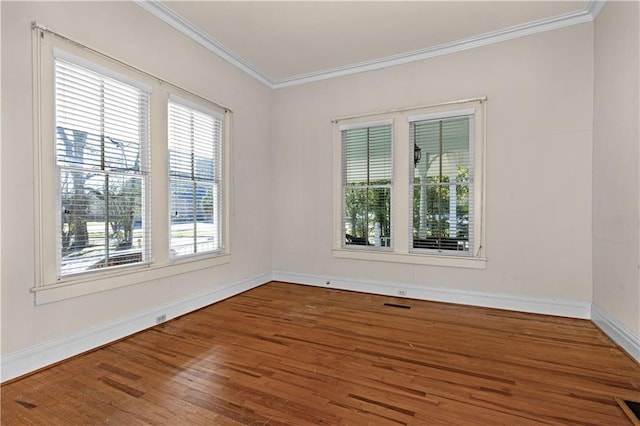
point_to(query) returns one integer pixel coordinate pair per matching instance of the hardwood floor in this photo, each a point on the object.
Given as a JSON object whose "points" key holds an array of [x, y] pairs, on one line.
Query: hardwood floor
{"points": [[288, 354]]}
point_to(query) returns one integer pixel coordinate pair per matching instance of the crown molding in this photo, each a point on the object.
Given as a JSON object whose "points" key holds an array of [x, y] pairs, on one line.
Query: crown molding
{"points": [[168, 16], [595, 7], [161, 11]]}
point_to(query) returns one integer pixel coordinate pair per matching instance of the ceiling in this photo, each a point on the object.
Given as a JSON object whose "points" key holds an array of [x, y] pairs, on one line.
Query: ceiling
{"points": [[292, 42]]}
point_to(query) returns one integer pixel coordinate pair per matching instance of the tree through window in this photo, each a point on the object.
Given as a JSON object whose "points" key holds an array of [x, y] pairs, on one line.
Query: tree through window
{"points": [[367, 173], [441, 185], [101, 152]]}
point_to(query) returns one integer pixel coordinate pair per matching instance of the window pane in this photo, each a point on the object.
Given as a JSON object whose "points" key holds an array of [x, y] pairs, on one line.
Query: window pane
{"points": [[355, 155], [205, 226], [101, 223], [367, 155], [183, 229], [125, 211], [83, 226], [368, 216]]}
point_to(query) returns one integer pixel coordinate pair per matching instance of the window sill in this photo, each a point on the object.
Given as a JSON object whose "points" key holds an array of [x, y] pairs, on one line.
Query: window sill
{"points": [[413, 258], [67, 288]]}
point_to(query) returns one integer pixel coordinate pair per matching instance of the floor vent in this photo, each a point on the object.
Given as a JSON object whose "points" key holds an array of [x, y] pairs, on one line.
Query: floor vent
{"points": [[631, 409], [395, 305]]}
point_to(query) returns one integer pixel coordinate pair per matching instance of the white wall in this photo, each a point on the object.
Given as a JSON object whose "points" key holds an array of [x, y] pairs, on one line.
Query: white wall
{"points": [[538, 165], [128, 33], [616, 164]]}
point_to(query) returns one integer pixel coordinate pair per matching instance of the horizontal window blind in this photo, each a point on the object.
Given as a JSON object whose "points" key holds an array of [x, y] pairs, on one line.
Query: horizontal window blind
{"points": [[367, 179], [195, 175], [102, 147], [441, 184]]}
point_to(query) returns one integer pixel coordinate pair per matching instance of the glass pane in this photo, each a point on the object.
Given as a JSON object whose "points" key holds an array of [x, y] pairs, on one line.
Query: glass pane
{"points": [[194, 142], [123, 217], [101, 223], [431, 204], [430, 209], [427, 141], [204, 145], [125, 212], [182, 218], [180, 147], [367, 155], [205, 227], [77, 148], [100, 121], [368, 216], [355, 155], [380, 155], [123, 156], [462, 211], [443, 147], [441, 216], [83, 225]]}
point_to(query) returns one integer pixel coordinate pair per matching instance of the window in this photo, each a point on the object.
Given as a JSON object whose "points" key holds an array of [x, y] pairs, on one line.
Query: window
{"points": [[410, 185], [442, 183], [195, 140], [109, 140], [102, 141], [367, 173]]}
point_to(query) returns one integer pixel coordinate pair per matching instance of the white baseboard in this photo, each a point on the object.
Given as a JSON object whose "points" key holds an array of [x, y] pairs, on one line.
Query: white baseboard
{"points": [[33, 358], [616, 331], [547, 306]]}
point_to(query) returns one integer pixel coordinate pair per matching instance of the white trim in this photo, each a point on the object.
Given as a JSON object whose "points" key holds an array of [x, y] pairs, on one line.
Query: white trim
{"points": [[385, 122], [595, 7], [510, 33], [95, 281], [537, 305], [443, 106], [207, 110], [94, 67], [35, 357], [616, 331], [39, 356], [170, 17], [454, 260], [442, 115]]}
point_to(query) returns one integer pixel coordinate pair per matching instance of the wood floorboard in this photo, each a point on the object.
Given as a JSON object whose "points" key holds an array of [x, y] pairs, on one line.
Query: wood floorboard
{"points": [[283, 354]]}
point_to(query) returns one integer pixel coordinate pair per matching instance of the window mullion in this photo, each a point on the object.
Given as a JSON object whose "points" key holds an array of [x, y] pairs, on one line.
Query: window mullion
{"points": [[107, 201], [194, 210]]}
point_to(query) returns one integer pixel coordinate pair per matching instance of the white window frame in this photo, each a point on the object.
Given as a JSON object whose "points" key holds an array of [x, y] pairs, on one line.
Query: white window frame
{"points": [[402, 251], [216, 113], [49, 286], [470, 113], [144, 173]]}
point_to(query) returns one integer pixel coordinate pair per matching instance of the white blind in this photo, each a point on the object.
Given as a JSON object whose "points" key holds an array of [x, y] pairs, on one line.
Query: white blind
{"points": [[102, 142], [367, 178], [195, 175], [441, 183]]}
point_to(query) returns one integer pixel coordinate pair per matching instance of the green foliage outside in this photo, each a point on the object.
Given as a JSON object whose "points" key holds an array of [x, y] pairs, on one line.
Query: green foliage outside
{"points": [[366, 205], [206, 204], [437, 204]]}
